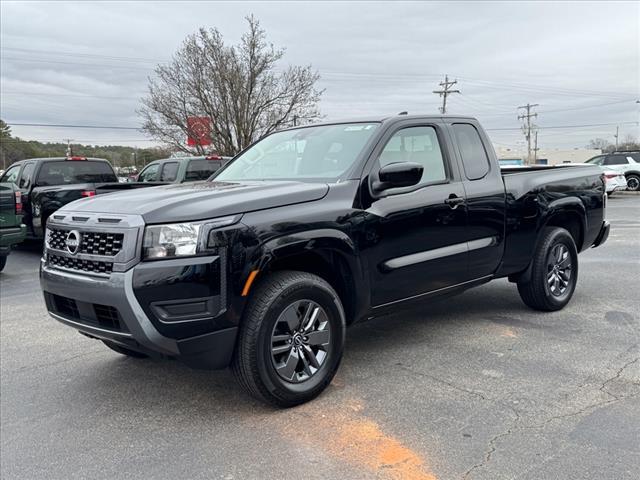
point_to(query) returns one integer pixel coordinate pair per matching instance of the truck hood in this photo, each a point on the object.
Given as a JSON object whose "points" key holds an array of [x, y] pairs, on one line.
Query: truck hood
{"points": [[200, 200]]}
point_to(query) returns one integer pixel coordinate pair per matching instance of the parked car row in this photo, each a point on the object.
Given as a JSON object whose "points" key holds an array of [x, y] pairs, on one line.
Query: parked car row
{"points": [[40, 186], [625, 163]]}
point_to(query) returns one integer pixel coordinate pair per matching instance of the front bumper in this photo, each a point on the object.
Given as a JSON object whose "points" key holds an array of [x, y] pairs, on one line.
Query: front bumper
{"points": [[107, 308], [11, 236], [602, 235]]}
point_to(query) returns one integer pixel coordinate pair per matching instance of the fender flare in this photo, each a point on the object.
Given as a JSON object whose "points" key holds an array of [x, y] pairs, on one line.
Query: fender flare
{"points": [[321, 241], [568, 205]]}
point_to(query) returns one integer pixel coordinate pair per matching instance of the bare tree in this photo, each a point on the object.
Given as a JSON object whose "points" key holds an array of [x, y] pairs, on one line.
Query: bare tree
{"points": [[599, 144], [237, 87]]}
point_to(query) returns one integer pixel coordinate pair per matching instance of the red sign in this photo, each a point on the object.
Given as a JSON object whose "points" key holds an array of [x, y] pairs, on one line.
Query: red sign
{"points": [[199, 131]]}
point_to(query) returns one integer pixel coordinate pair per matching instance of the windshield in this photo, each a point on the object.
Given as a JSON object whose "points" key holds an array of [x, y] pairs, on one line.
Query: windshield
{"points": [[311, 153]]}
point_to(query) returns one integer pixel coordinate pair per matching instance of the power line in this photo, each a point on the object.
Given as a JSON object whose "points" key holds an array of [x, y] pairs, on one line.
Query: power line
{"points": [[445, 92], [70, 126], [473, 80], [568, 126], [69, 95]]}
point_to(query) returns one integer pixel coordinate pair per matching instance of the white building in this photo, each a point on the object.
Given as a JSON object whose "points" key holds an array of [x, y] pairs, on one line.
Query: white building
{"points": [[547, 156]]}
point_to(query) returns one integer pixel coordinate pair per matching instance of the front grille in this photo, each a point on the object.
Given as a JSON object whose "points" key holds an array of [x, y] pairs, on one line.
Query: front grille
{"points": [[73, 263], [92, 243], [57, 239], [66, 306], [108, 317]]}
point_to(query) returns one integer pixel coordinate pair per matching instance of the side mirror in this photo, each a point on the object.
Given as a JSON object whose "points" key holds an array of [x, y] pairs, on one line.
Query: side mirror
{"points": [[395, 175]]}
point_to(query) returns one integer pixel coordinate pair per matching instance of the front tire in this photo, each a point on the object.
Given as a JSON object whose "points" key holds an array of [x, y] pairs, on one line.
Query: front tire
{"points": [[291, 339], [3, 262], [554, 272], [633, 182]]}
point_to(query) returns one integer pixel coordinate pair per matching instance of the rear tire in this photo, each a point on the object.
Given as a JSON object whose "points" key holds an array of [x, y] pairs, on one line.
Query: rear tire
{"points": [[123, 350], [3, 262], [291, 339], [633, 182], [554, 271]]}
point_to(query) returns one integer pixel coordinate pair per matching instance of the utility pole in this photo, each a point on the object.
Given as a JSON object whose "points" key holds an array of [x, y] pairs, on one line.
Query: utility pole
{"points": [[535, 148], [616, 137], [445, 91], [528, 126], [69, 149]]}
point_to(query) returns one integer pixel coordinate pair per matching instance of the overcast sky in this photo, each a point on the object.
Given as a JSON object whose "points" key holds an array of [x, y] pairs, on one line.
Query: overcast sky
{"points": [[87, 63]]}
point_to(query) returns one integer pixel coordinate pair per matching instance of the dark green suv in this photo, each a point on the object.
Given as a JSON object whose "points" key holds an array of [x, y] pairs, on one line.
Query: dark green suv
{"points": [[12, 230]]}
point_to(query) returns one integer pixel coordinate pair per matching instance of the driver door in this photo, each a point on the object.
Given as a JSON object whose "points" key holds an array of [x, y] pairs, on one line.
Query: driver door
{"points": [[416, 236]]}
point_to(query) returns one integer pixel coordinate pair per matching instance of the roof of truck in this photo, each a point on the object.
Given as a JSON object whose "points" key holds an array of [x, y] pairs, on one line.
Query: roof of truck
{"points": [[387, 118]]}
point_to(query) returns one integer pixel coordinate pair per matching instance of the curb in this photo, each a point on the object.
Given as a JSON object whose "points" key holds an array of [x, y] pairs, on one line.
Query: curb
{"points": [[626, 192]]}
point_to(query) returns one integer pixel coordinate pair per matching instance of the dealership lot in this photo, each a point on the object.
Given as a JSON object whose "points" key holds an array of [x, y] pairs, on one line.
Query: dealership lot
{"points": [[477, 386]]}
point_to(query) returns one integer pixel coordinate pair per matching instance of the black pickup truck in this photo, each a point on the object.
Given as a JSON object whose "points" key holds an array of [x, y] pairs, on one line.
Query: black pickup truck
{"points": [[47, 184], [307, 231]]}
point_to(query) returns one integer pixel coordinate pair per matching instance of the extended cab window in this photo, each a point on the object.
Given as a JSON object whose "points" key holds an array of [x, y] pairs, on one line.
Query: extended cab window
{"points": [[201, 169], [419, 145], [11, 175], [169, 172], [474, 156], [149, 173], [67, 172]]}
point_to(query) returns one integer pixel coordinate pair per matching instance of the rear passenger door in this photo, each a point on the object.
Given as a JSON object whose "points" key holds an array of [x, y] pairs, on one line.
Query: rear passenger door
{"points": [[485, 194]]}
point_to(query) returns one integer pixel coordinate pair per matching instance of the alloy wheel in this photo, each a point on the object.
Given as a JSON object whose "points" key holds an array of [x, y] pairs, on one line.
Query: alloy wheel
{"points": [[300, 341], [559, 269]]}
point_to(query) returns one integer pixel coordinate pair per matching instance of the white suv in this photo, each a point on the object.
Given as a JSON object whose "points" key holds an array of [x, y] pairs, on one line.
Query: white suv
{"points": [[627, 163]]}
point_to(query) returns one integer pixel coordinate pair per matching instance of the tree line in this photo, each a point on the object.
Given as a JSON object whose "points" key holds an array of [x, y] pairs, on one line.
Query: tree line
{"points": [[629, 143], [13, 149]]}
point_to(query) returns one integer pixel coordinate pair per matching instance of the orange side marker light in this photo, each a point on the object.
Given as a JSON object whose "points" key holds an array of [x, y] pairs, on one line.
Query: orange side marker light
{"points": [[249, 282]]}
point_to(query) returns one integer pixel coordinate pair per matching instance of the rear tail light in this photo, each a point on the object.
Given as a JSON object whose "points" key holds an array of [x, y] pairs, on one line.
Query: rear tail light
{"points": [[88, 193], [611, 175], [76, 158], [18, 203]]}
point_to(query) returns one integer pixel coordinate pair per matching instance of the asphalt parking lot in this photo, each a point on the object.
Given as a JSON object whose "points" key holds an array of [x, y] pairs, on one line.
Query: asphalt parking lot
{"points": [[476, 387]]}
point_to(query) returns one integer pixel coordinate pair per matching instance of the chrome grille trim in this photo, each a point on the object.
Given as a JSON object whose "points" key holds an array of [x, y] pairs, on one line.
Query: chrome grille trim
{"points": [[108, 246]]}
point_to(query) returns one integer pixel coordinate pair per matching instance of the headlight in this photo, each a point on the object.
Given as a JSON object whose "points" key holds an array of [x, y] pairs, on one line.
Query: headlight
{"points": [[181, 239], [174, 240]]}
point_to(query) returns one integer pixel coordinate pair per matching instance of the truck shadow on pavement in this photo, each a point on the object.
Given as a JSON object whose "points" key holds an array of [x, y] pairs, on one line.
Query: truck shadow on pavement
{"points": [[167, 386]]}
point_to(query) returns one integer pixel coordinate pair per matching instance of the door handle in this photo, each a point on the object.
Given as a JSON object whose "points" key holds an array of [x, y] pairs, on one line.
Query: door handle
{"points": [[453, 201]]}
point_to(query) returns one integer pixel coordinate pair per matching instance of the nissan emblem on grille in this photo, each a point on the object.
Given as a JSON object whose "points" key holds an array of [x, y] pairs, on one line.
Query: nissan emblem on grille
{"points": [[73, 242]]}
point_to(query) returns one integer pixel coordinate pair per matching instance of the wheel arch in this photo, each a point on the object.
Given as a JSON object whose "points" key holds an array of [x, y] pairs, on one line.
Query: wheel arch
{"points": [[570, 214], [328, 253], [567, 213]]}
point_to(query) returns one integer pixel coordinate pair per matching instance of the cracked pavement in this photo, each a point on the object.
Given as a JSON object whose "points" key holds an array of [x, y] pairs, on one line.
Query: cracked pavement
{"points": [[473, 387]]}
